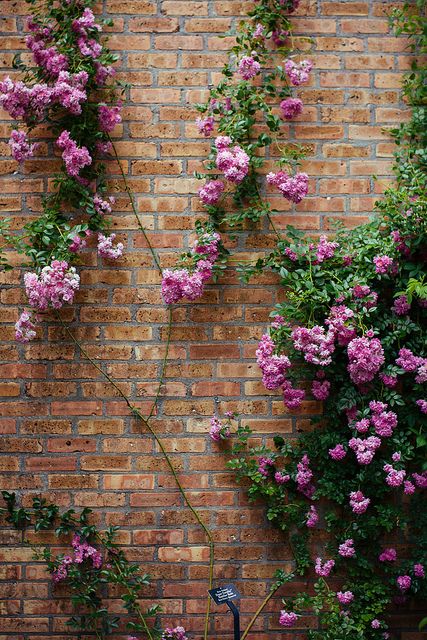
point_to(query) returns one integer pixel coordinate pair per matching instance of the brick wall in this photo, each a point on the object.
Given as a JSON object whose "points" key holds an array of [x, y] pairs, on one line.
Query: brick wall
{"points": [[65, 432]]}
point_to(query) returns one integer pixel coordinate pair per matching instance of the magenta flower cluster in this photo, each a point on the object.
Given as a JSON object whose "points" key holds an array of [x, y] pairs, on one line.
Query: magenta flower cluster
{"points": [[288, 618], [358, 502], [109, 117], [323, 569], [106, 249], [82, 551], [232, 161], [298, 73], [365, 358], [211, 192], [218, 430], [20, 146], [180, 283], [346, 549], [291, 107], [75, 158], [293, 188], [175, 633], [249, 67], [53, 287]]}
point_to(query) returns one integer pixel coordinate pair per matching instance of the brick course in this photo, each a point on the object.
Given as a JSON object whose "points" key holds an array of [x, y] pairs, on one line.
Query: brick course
{"points": [[66, 433]]}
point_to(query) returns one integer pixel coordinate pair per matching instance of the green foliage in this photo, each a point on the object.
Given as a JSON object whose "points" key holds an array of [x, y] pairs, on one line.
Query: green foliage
{"points": [[49, 236], [313, 286], [249, 105], [86, 583]]}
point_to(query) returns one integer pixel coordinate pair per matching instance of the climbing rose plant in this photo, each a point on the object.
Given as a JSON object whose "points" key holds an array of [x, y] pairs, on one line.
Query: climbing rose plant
{"points": [[352, 335]]}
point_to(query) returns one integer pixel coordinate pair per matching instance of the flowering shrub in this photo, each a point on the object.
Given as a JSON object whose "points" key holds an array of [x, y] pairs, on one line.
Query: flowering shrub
{"points": [[67, 88], [232, 191], [352, 333]]}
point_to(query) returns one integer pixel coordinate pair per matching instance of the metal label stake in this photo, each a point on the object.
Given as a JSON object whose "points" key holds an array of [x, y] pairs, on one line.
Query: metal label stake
{"points": [[226, 595]]}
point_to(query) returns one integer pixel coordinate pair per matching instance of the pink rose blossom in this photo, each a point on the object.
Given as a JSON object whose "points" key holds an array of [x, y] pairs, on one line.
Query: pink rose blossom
{"points": [[365, 356], [75, 158], [401, 306], [288, 618], [291, 107], [20, 146], [312, 517], [346, 549], [233, 162], [211, 192], [293, 188], [25, 328], [177, 633], [281, 478], [382, 264], [388, 555], [292, 397], [324, 569], [338, 452], [358, 502], [109, 117], [55, 285], [205, 125], [106, 248], [345, 597], [248, 67], [298, 73], [404, 582]]}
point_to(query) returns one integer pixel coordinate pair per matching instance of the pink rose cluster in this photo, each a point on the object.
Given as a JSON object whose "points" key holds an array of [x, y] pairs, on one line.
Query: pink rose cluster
{"points": [[56, 285], [106, 249], [346, 549], [232, 161], [312, 517], [383, 264], [274, 368], [365, 448], [249, 67], [75, 158], [304, 477], [211, 192], [345, 597], [45, 56], [176, 633], [82, 551], [316, 344], [323, 569], [205, 125], [82, 27], [410, 363], [180, 283], [395, 477], [291, 107], [218, 430], [109, 117], [28, 103], [366, 356], [298, 73], [25, 327], [325, 249], [288, 618], [358, 502], [20, 146], [293, 188]]}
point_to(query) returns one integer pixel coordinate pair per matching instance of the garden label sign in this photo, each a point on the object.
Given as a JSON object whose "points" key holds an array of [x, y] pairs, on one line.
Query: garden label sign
{"points": [[226, 595]]}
